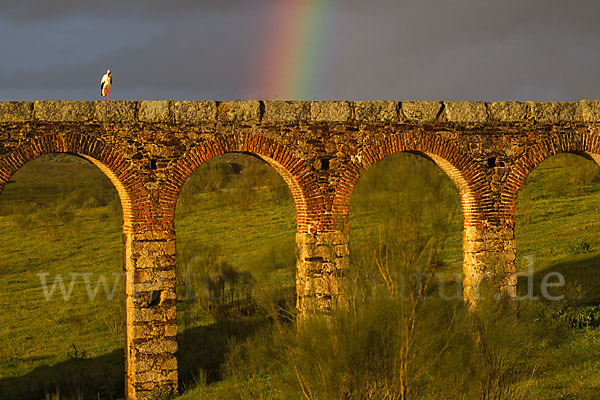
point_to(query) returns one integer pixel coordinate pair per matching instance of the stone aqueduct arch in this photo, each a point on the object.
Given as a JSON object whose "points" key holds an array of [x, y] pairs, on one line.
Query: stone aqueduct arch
{"points": [[458, 166], [149, 149], [108, 160], [583, 144], [294, 171]]}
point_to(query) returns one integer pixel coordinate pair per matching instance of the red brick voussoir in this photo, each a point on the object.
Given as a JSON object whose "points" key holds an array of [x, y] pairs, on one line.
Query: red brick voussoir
{"points": [[457, 164], [121, 173], [294, 171]]}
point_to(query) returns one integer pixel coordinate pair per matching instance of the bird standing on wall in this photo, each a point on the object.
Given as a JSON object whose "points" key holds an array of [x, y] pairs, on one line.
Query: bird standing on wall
{"points": [[105, 84]]}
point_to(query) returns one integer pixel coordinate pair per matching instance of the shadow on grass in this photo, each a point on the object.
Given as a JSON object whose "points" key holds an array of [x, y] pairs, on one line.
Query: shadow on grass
{"points": [[581, 281], [80, 377], [202, 348]]}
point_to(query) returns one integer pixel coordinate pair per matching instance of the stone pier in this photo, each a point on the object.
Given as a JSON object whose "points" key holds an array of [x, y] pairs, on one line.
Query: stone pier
{"points": [[322, 260], [151, 333]]}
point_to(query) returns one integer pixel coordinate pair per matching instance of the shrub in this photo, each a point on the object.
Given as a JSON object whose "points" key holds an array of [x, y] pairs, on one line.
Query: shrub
{"points": [[577, 316], [214, 284], [397, 338], [579, 247], [162, 394]]}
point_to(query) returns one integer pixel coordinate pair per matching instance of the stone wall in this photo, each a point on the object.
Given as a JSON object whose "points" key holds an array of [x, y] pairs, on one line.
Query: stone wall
{"points": [[149, 148]]}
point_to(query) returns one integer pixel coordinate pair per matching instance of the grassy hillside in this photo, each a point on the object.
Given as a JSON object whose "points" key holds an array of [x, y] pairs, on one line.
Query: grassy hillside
{"points": [[235, 223], [59, 216], [557, 223]]}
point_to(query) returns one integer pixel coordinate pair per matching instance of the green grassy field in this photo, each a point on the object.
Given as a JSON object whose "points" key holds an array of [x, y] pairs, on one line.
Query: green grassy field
{"points": [[60, 215]]}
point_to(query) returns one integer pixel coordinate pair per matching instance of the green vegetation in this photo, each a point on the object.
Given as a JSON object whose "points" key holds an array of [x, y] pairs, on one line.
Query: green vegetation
{"points": [[231, 260], [406, 333], [60, 215], [557, 223]]}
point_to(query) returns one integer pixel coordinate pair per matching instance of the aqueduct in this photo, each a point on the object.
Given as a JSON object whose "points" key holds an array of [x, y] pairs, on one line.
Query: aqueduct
{"points": [[149, 148]]}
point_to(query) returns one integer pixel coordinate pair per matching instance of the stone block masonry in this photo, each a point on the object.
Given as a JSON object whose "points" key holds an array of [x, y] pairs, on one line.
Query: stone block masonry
{"points": [[149, 148]]}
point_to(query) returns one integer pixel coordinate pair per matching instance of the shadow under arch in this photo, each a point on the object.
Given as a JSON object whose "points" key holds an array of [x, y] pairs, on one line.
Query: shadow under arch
{"points": [[295, 172], [585, 145], [121, 174], [467, 176]]}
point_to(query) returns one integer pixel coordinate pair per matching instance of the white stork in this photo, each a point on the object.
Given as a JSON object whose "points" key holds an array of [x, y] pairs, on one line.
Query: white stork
{"points": [[105, 84]]}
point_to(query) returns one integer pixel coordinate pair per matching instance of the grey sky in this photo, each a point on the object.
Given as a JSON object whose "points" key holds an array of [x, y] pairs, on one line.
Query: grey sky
{"points": [[377, 49]]}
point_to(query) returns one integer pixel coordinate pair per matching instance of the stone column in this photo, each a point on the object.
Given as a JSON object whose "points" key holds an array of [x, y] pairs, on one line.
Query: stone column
{"points": [[151, 334], [489, 253], [322, 260]]}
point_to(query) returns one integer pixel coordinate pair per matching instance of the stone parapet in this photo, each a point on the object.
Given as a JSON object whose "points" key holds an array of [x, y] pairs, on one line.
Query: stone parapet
{"points": [[306, 112]]}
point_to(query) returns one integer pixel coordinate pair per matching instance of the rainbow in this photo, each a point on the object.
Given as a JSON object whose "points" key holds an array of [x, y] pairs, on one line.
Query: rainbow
{"points": [[296, 49]]}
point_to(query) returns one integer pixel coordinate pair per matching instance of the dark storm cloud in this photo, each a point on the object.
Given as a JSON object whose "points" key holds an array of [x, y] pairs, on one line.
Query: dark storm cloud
{"points": [[472, 50], [463, 50], [44, 9], [190, 55]]}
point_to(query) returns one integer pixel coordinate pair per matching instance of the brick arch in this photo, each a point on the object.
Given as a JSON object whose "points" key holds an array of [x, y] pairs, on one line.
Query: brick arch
{"points": [[585, 145], [295, 172], [460, 168], [109, 161]]}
